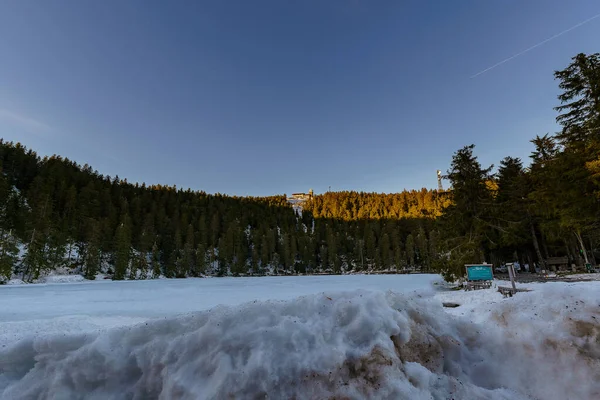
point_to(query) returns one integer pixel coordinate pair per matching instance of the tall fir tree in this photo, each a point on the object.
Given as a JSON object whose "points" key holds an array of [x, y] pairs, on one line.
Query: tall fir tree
{"points": [[466, 221], [122, 248]]}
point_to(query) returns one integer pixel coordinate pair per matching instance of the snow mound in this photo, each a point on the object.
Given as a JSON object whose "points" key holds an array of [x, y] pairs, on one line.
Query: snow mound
{"points": [[50, 279], [351, 345], [15, 282], [62, 279]]}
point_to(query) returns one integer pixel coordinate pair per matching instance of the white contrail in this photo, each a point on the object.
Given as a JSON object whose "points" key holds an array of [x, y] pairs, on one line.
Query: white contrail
{"points": [[536, 45]]}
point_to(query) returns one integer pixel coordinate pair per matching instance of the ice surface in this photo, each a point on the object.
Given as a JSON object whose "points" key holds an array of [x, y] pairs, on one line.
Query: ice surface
{"points": [[90, 306], [544, 344]]}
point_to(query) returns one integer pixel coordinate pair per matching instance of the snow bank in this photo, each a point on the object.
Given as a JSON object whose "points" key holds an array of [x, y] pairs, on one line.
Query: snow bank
{"points": [[15, 282], [52, 278], [348, 345], [62, 279]]}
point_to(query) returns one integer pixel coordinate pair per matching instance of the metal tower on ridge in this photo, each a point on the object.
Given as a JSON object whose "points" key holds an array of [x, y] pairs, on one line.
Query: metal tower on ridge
{"points": [[439, 176]]}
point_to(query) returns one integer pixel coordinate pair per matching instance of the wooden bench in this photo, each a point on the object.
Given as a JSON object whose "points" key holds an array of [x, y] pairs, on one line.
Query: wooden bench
{"points": [[475, 285], [558, 262]]}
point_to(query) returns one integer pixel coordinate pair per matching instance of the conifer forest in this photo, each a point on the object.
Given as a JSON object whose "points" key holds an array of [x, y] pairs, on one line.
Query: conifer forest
{"points": [[57, 215]]}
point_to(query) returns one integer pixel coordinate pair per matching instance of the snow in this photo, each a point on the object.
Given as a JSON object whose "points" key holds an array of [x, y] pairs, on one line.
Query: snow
{"points": [[15, 282], [63, 279], [587, 277], [93, 305], [345, 337]]}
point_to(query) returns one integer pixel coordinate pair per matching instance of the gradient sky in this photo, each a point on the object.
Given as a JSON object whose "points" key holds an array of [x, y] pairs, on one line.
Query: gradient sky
{"points": [[266, 97]]}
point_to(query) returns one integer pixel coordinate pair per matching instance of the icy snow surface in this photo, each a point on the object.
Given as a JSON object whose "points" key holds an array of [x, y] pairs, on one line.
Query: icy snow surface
{"points": [[65, 308], [336, 341]]}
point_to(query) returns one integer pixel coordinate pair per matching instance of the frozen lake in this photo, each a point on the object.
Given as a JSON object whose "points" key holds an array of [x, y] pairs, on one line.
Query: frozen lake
{"points": [[90, 306]]}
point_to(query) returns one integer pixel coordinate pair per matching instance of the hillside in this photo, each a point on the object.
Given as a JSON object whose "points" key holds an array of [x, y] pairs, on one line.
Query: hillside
{"points": [[59, 216]]}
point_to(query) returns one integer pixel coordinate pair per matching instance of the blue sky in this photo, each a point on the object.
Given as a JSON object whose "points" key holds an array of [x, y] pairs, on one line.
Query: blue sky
{"points": [[265, 97]]}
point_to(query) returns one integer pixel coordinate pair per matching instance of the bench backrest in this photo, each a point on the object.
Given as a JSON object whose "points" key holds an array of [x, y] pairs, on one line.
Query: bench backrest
{"points": [[557, 260]]}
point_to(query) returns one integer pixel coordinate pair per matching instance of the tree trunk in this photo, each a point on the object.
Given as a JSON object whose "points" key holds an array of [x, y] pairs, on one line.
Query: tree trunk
{"points": [[70, 252], [580, 240], [545, 247], [521, 259], [530, 262], [592, 251], [3, 248], [536, 246], [26, 273], [572, 255]]}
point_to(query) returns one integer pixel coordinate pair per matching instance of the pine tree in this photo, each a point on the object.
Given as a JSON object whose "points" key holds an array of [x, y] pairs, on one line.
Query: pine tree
{"points": [[323, 252], [175, 268], [122, 248], [265, 254], [514, 223], [422, 248], [370, 242], [141, 262], [466, 221], [580, 99], [434, 248], [9, 253], [56, 249], [384, 248], [332, 251], [10, 209], [580, 137], [410, 250], [188, 262], [92, 254], [155, 261], [255, 260], [201, 263], [359, 254], [35, 261]]}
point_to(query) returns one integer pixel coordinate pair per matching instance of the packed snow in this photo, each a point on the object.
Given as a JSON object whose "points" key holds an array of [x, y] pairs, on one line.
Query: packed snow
{"points": [[381, 337], [90, 306]]}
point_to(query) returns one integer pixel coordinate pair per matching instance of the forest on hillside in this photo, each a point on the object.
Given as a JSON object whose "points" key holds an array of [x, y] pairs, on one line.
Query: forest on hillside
{"points": [[56, 215]]}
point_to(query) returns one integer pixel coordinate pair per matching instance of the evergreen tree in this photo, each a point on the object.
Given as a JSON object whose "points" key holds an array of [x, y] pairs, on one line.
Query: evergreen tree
{"points": [[410, 250], [466, 221], [155, 261], [370, 242], [333, 259], [255, 261], [580, 99], [580, 137], [141, 263], [201, 264], [265, 254], [384, 247], [122, 248], [92, 254], [188, 262], [434, 249], [9, 253], [422, 248], [175, 267]]}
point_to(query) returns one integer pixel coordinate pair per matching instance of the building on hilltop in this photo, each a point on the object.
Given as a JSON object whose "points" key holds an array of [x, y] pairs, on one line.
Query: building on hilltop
{"points": [[301, 196], [297, 199]]}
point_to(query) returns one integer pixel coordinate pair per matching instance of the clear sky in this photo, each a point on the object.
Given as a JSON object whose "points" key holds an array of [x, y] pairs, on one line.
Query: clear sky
{"points": [[265, 97]]}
